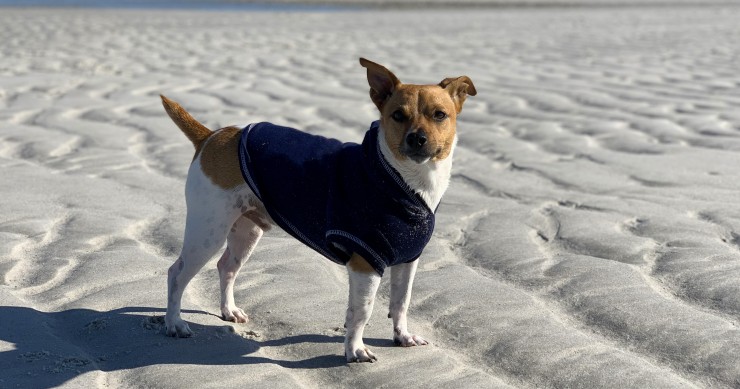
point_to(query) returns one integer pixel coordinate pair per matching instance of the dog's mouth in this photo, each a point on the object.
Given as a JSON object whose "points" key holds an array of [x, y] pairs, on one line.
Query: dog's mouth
{"points": [[421, 156]]}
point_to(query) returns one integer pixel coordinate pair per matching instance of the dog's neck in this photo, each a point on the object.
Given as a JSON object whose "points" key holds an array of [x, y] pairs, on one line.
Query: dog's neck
{"points": [[430, 179]]}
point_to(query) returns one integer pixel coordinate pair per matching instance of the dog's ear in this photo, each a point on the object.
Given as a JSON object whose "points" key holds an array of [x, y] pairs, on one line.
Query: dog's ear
{"points": [[382, 82], [459, 88]]}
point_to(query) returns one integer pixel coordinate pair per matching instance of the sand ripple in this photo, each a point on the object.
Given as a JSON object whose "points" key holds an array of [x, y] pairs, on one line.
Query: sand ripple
{"points": [[590, 238]]}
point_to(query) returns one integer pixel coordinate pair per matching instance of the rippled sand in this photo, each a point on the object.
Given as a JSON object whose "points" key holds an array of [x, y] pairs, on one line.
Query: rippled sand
{"points": [[590, 236]]}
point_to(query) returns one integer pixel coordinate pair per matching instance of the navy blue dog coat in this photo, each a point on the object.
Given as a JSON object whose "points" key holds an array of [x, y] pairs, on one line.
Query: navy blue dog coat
{"points": [[337, 198]]}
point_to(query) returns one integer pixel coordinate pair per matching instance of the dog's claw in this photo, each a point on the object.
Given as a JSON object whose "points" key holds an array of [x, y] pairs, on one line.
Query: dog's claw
{"points": [[409, 340], [179, 329], [235, 315], [361, 355]]}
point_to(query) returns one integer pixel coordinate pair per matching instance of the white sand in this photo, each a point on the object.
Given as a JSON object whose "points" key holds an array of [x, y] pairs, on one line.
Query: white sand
{"points": [[590, 238]]}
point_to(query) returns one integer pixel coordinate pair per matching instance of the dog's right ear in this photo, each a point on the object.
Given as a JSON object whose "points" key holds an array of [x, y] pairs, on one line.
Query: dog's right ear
{"points": [[382, 82]]}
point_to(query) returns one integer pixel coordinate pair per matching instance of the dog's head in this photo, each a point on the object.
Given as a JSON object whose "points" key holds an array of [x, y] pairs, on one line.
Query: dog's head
{"points": [[419, 121]]}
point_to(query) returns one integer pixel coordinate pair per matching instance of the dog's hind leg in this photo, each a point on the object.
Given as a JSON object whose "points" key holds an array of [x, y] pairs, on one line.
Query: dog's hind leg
{"points": [[198, 248], [202, 241], [211, 213], [241, 241]]}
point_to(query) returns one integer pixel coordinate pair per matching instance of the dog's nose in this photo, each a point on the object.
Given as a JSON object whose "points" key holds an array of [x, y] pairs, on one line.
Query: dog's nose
{"points": [[416, 140]]}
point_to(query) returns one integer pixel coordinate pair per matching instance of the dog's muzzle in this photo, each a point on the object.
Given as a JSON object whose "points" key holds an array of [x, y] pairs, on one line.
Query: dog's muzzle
{"points": [[416, 147]]}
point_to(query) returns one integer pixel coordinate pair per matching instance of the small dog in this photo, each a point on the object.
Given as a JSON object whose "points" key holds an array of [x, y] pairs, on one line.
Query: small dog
{"points": [[367, 206]]}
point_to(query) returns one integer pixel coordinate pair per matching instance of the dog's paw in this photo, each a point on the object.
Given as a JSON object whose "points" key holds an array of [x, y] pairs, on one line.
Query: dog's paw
{"points": [[409, 340], [362, 354], [234, 314], [178, 329]]}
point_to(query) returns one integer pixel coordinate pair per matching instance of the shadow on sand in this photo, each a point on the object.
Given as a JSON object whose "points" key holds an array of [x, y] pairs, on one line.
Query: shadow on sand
{"points": [[41, 350]]}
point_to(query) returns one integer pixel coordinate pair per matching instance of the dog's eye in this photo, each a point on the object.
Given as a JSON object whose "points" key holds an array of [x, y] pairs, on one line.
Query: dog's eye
{"points": [[398, 116], [439, 116]]}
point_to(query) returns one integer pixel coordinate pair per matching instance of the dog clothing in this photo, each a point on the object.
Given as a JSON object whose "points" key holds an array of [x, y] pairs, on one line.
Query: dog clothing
{"points": [[337, 198]]}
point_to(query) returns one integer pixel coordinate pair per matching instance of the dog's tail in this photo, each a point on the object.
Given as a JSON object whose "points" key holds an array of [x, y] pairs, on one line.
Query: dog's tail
{"points": [[196, 132]]}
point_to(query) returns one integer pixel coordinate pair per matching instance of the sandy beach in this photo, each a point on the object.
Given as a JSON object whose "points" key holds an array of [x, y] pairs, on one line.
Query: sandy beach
{"points": [[590, 237]]}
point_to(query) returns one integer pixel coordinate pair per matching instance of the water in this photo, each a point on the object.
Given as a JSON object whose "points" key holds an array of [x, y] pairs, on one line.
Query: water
{"points": [[168, 4]]}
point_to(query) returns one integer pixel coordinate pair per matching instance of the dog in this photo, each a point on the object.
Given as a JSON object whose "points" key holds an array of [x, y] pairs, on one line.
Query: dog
{"points": [[367, 206]]}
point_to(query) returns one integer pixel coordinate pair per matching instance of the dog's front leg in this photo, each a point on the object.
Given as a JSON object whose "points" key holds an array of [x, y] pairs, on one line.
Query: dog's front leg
{"points": [[363, 284], [402, 279]]}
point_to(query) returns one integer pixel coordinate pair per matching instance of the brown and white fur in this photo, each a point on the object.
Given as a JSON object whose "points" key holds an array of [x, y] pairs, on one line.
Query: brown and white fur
{"points": [[417, 138]]}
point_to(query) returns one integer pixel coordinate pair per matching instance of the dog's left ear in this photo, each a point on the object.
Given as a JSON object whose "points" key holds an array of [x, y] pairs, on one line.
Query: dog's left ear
{"points": [[382, 82], [459, 88]]}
